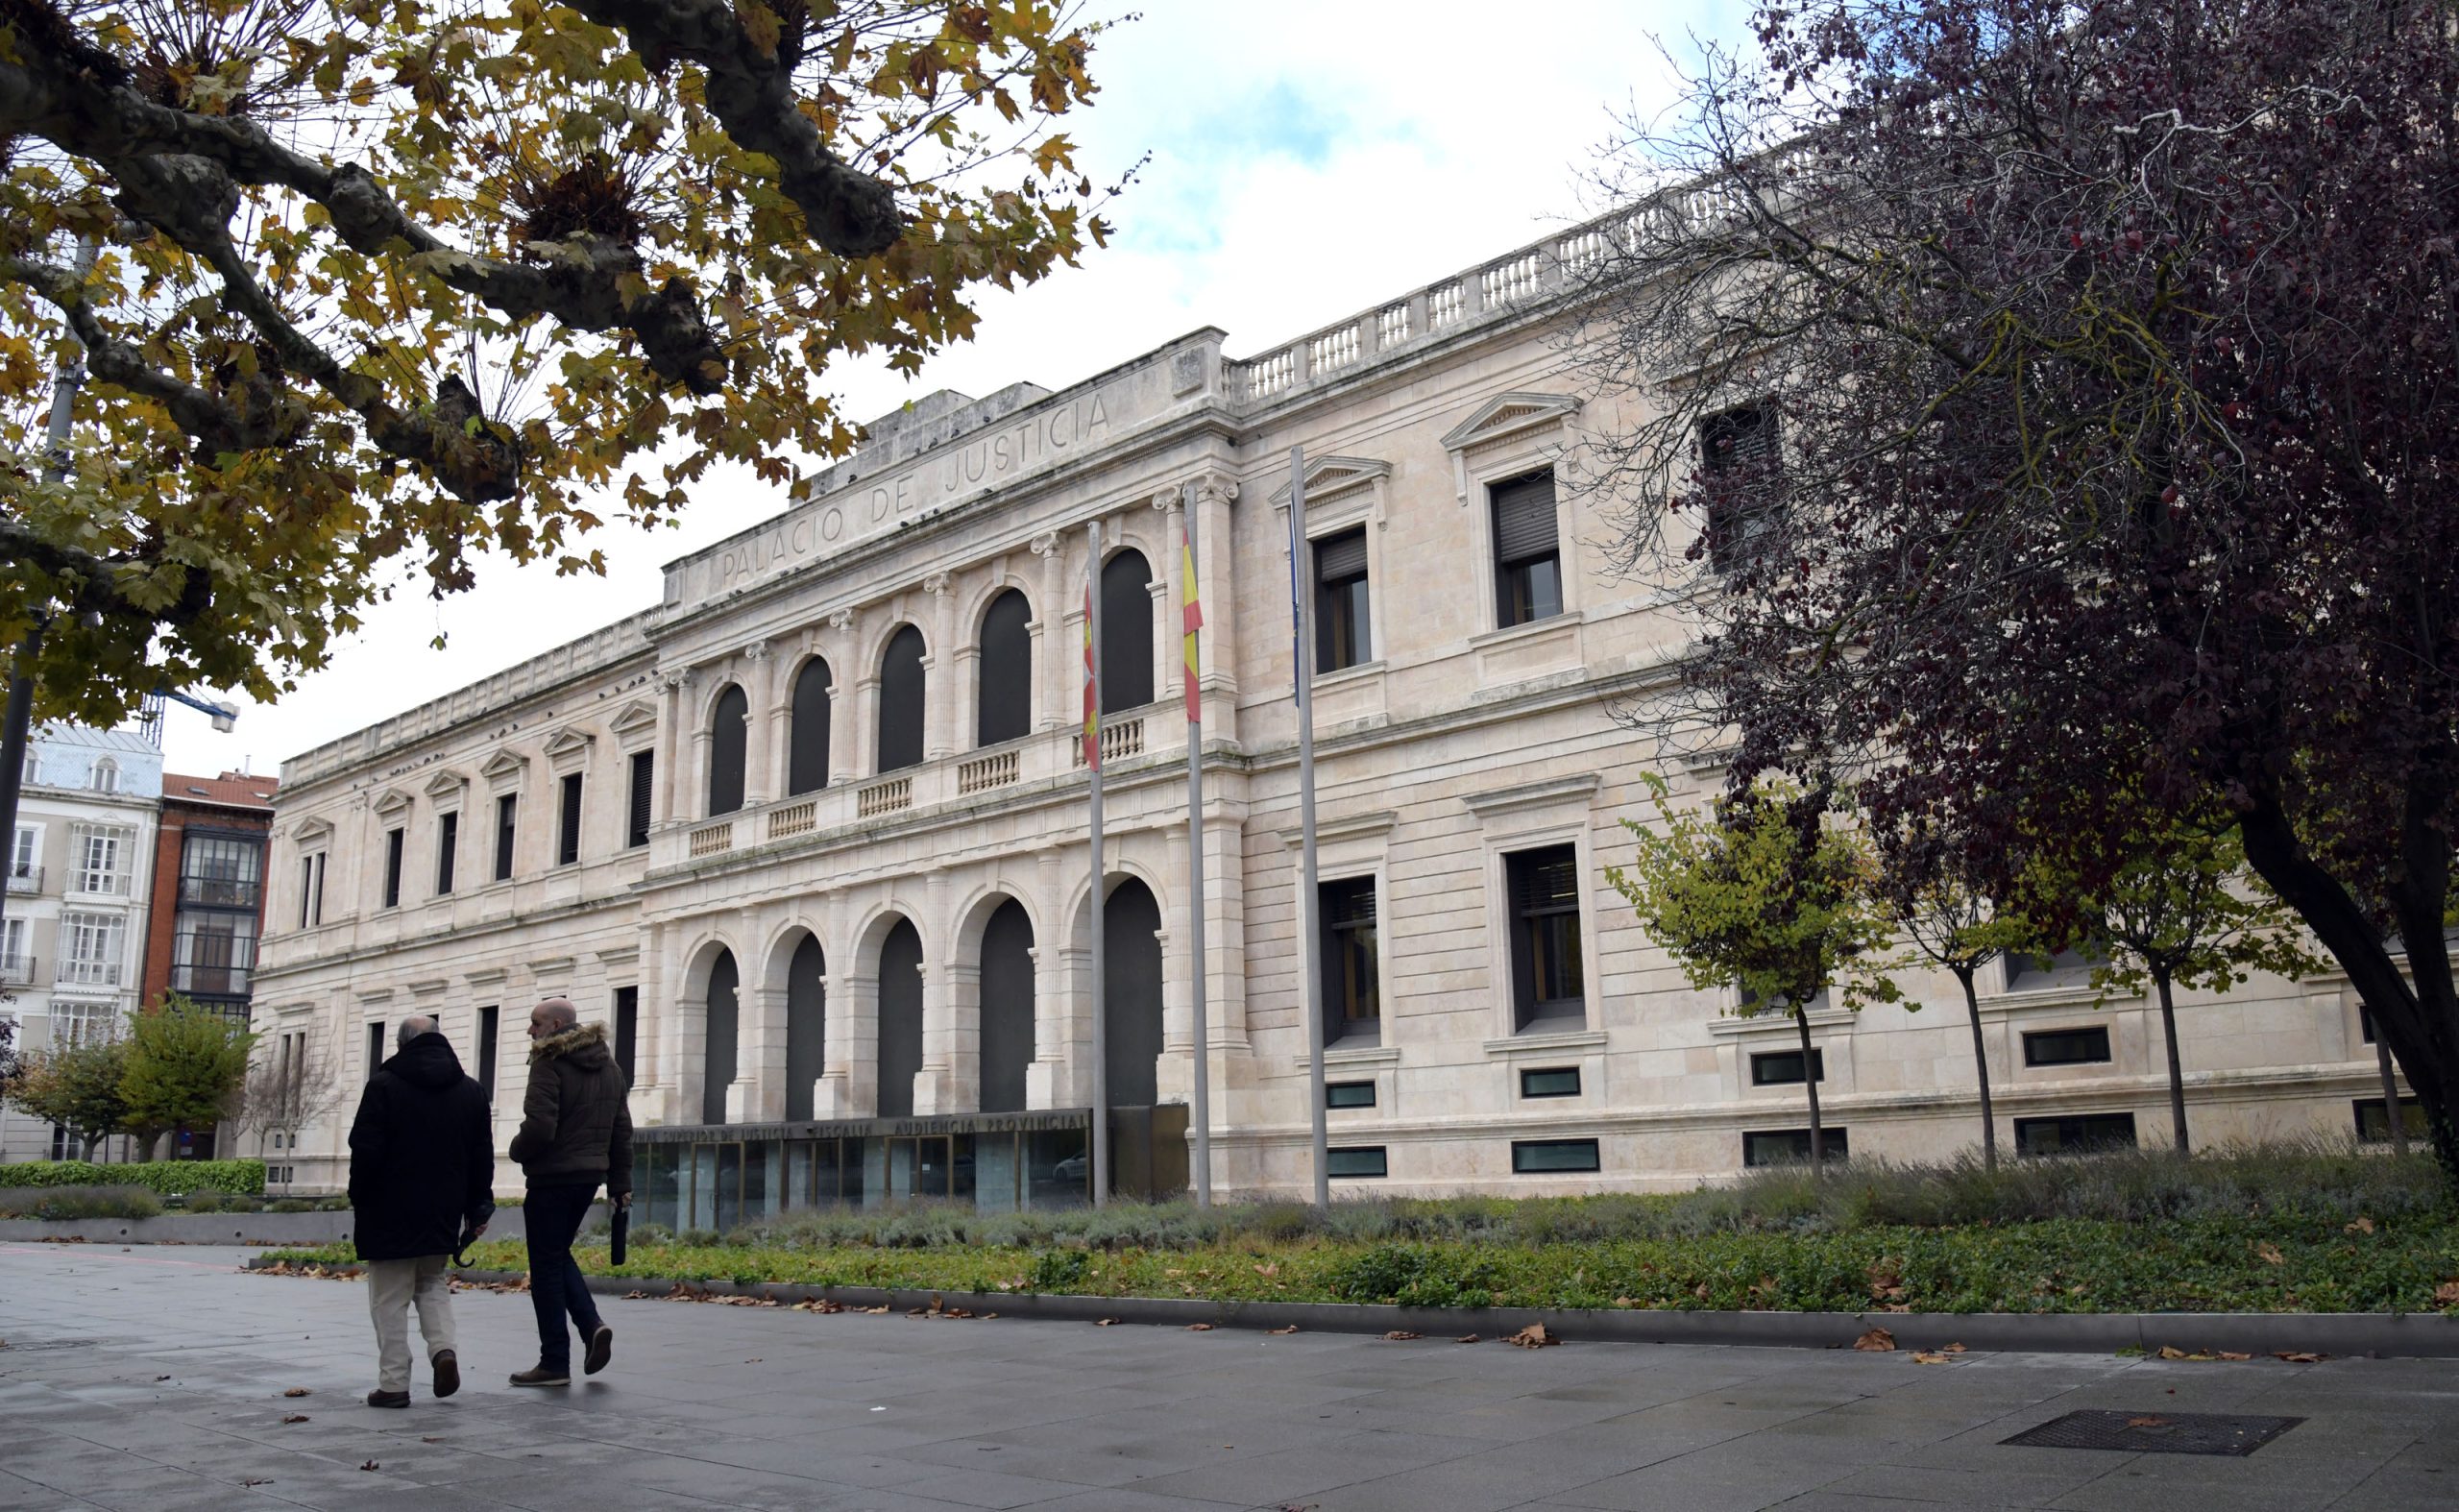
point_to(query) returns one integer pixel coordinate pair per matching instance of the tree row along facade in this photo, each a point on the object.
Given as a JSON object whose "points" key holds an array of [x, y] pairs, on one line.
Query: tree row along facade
{"points": [[811, 834]]}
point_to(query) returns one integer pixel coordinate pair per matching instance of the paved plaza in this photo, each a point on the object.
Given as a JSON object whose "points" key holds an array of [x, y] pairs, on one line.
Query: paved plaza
{"points": [[156, 1379]]}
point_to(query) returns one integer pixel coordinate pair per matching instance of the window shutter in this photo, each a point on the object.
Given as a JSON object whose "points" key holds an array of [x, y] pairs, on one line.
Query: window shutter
{"points": [[1348, 903], [1524, 519], [643, 765], [1340, 557], [1544, 880]]}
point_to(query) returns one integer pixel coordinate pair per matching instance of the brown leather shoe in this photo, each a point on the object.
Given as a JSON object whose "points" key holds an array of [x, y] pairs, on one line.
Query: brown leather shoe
{"points": [[447, 1373], [541, 1375], [389, 1398]]}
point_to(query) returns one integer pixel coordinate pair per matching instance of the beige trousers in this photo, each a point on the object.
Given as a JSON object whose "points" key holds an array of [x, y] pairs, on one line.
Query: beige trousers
{"points": [[392, 1286]]}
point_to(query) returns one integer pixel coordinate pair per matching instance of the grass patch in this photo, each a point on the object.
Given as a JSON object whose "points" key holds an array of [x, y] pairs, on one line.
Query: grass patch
{"points": [[60, 1203], [2306, 1229]]}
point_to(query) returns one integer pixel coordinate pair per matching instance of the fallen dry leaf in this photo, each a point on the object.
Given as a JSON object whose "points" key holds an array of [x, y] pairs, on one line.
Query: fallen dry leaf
{"points": [[1928, 1358], [2233, 1355], [2170, 1351], [294, 1417], [1404, 1334], [431, 1440], [2299, 1356], [1533, 1337], [1199, 1327], [2147, 1421], [1290, 1328], [1466, 1338], [1104, 1322], [2269, 1255], [296, 1391], [1953, 1349], [1626, 1302], [1875, 1339], [2447, 1294], [369, 1465], [987, 1316], [1700, 1291], [2361, 1226], [1268, 1272]]}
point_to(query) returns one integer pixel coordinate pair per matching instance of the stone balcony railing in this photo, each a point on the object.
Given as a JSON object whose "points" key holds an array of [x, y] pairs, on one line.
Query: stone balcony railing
{"points": [[969, 779]]}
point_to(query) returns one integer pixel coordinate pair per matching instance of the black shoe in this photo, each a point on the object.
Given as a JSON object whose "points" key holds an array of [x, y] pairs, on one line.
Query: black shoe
{"points": [[541, 1375], [447, 1374], [601, 1349], [389, 1398]]}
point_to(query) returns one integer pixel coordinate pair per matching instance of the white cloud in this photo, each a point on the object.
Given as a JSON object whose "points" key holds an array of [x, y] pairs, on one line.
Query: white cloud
{"points": [[1307, 161]]}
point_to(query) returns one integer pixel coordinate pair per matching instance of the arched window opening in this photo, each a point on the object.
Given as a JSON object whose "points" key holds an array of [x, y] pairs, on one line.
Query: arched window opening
{"points": [[723, 1022], [901, 701], [106, 775], [727, 741], [1126, 632], [1131, 994], [807, 756], [806, 1025], [1003, 709], [900, 1018], [1007, 1008]]}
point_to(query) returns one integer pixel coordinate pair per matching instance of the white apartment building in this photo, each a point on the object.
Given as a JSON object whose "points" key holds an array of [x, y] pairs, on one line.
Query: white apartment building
{"points": [[80, 872], [810, 833]]}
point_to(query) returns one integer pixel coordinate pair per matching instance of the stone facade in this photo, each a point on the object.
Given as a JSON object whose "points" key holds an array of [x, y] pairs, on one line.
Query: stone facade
{"points": [[1460, 743]]}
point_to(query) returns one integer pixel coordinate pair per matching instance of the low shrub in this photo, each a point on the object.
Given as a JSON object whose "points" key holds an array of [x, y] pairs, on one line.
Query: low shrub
{"points": [[59, 1203], [1416, 1276], [167, 1177]]}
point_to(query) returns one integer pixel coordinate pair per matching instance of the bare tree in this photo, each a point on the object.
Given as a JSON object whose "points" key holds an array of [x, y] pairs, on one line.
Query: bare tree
{"points": [[289, 1085]]}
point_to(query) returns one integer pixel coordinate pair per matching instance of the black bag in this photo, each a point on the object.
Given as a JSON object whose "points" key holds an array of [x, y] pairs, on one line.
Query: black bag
{"points": [[618, 1230]]}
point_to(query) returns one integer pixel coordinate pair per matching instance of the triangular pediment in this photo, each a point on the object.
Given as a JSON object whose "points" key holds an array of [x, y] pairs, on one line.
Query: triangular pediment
{"points": [[392, 800], [567, 741], [636, 717], [1508, 415], [445, 786], [1329, 477], [311, 831], [503, 767]]}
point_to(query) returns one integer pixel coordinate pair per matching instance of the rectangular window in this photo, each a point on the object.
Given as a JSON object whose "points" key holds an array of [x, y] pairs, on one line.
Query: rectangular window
{"points": [[2074, 1133], [1342, 634], [447, 841], [83, 1023], [220, 870], [1547, 1157], [312, 889], [2065, 964], [2365, 1022], [1784, 1067], [1542, 888], [375, 1047], [1364, 1161], [1348, 1094], [101, 857], [568, 822], [2374, 1128], [1790, 1146], [13, 965], [91, 947], [635, 831], [393, 868], [1738, 458], [212, 954], [1551, 1081], [506, 807], [489, 1021], [1528, 566], [627, 1029], [2066, 1046], [1352, 1004], [21, 855]]}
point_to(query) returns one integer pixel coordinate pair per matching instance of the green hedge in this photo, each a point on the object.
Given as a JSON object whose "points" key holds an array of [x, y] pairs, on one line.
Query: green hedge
{"points": [[170, 1178]]}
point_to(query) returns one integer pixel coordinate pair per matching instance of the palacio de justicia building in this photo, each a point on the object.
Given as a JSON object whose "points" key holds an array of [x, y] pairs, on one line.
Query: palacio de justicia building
{"points": [[810, 835]]}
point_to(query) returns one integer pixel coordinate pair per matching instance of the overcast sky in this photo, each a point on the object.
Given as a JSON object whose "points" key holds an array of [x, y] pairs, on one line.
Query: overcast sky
{"points": [[1308, 160]]}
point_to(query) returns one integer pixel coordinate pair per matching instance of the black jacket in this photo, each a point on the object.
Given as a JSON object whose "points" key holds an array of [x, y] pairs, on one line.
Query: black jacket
{"points": [[575, 1126], [422, 1153]]}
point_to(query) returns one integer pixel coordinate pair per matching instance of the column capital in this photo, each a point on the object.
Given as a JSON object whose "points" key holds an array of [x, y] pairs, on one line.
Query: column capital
{"points": [[935, 585], [841, 619], [1046, 542], [1215, 487], [757, 651], [1167, 500]]}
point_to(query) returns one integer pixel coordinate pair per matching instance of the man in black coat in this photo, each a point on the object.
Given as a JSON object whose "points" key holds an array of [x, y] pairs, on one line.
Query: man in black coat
{"points": [[576, 1132], [422, 1166]]}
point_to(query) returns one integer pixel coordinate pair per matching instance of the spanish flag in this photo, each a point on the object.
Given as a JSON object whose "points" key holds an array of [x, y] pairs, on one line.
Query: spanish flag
{"points": [[1092, 691], [1193, 615]]}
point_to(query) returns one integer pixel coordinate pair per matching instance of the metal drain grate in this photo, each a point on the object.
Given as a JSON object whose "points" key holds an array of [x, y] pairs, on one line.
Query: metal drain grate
{"points": [[2156, 1433]]}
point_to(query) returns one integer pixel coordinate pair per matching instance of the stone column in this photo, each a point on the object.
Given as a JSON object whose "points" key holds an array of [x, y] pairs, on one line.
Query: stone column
{"points": [[758, 1092], [1217, 644], [688, 1037], [851, 1089], [669, 747], [1047, 1081], [939, 675], [761, 781], [781, 716], [844, 710], [1051, 650]]}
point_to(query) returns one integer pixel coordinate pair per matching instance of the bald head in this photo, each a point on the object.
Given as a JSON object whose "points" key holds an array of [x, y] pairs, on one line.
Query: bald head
{"points": [[412, 1026], [552, 1018]]}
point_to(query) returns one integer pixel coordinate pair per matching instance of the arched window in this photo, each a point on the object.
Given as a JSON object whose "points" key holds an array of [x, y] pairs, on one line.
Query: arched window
{"points": [[1126, 632], [900, 1018], [106, 775], [727, 741], [719, 1039], [1003, 709], [807, 761], [806, 1025], [1131, 994], [1007, 1008], [901, 701]]}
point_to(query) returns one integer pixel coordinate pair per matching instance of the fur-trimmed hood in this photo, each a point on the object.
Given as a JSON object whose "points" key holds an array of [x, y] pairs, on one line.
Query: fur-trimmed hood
{"points": [[585, 1043]]}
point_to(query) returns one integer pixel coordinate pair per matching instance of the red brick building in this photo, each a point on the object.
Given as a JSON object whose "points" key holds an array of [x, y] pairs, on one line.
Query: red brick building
{"points": [[208, 889]]}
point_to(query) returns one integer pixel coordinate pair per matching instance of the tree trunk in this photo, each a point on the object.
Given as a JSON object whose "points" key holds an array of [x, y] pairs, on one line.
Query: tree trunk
{"points": [[2391, 1097], [2176, 1070], [1980, 1064], [1810, 1081], [2421, 1028]]}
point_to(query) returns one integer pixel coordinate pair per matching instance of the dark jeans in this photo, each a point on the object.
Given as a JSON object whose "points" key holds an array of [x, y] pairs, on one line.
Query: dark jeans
{"points": [[553, 1216]]}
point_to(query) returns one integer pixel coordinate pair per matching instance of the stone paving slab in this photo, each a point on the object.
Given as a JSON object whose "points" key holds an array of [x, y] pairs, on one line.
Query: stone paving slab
{"points": [[153, 1381]]}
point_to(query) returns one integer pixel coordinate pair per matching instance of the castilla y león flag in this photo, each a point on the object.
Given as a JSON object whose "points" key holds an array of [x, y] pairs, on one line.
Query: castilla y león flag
{"points": [[1193, 615]]}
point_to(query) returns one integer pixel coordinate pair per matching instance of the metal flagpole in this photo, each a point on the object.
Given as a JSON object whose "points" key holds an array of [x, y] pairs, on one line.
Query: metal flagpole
{"points": [[1303, 667], [1191, 616], [1100, 1130]]}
